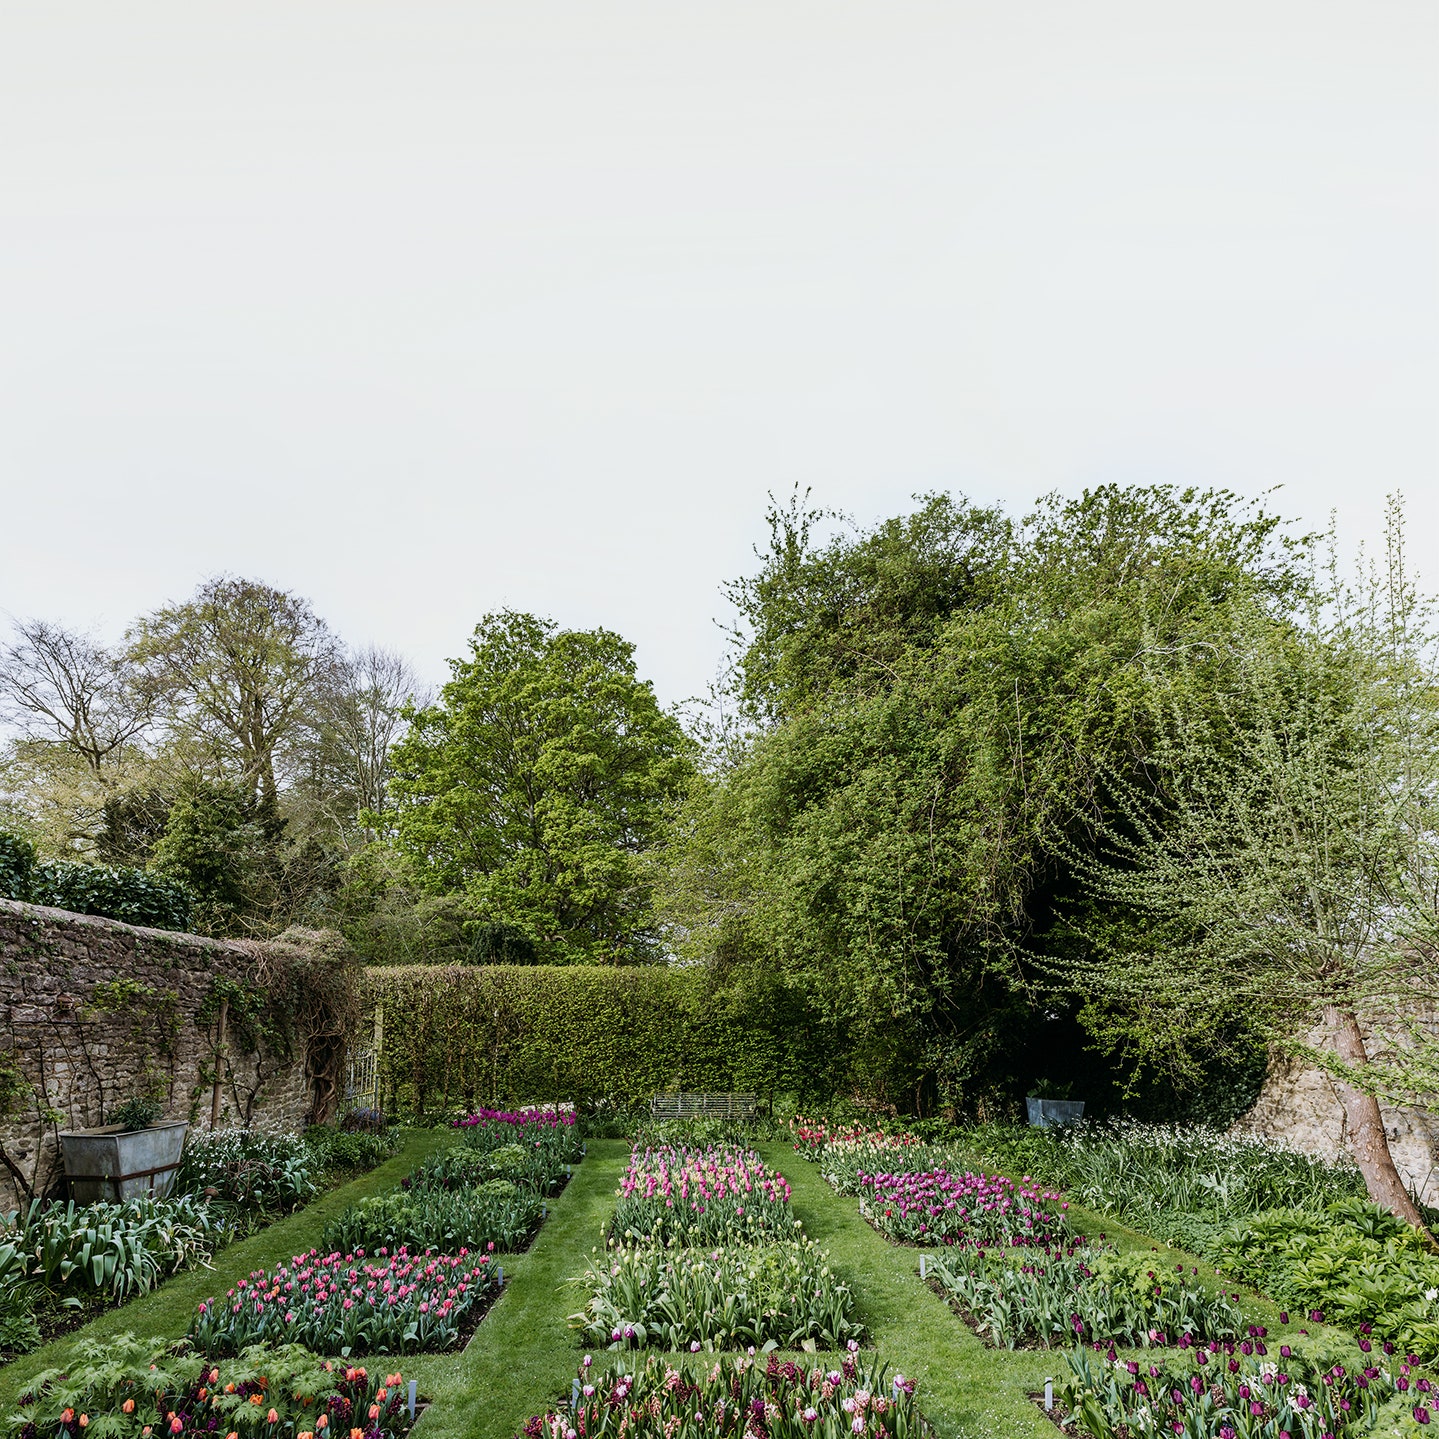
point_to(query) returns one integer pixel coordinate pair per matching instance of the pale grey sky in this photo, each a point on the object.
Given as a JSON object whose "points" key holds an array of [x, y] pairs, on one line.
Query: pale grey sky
{"points": [[425, 309]]}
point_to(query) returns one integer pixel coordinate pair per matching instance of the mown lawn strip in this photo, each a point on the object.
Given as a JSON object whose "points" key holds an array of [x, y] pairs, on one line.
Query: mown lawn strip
{"points": [[524, 1355]]}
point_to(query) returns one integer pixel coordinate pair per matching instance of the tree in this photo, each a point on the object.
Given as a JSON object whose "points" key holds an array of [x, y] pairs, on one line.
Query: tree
{"points": [[62, 687], [79, 720], [342, 762], [535, 783], [236, 669], [1280, 834], [931, 702]]}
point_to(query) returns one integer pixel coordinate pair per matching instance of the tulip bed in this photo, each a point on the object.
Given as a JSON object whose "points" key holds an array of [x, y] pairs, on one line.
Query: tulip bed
{"points": [[719, 1195], [350, 1304], [737, 1397], [126, 1388], [554, 1131], [537, 1168], [496, 1215], [704, 1252], [1057, 1296], [784, 1294], [935, 1207], [1242, 1391]]}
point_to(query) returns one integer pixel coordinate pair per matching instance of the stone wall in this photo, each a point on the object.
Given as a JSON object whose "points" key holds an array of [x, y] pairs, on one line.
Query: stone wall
{"points": [[93, 1011], [1298, 1104]]}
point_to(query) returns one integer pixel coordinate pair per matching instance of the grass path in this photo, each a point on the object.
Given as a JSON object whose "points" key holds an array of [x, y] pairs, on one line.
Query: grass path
{"points": [[524, 1354], [165, 1312]]}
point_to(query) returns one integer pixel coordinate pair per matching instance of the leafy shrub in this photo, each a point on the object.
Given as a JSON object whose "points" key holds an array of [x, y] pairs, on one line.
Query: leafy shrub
{"points": [[972, 1210], [17, 865], [118, 1249], [19, 1333], [1354, 1265], [1308, 1391], [1164, 1178], [449, 1222], [127, 1388], [339, 1152], [701, 1196], [781, 1294], [135, 896], [605, 1117], [535, 1168], [344, 1303], [1057, 1296], [661, 1400], [258, 1173], [138, 1113]]}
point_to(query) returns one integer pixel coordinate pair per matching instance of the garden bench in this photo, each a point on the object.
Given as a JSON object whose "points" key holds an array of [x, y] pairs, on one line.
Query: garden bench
{"points": [[709, 1106]]}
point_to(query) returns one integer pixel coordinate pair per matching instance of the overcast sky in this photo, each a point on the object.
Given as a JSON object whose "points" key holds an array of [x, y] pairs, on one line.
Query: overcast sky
{"points": [[426, 309]]}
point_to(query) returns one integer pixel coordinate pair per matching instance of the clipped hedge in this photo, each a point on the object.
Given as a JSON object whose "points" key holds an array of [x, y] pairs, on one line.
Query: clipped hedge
{"points": [[134, 896], [504, 1033]]}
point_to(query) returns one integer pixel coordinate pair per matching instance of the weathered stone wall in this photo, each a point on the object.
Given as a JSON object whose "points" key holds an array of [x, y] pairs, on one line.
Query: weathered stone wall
{"points": [[92, 1011], [1298, 1105]]}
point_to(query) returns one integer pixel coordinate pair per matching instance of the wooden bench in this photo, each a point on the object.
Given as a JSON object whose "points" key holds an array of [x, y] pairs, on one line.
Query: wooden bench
{"points": [[706, 1106]]}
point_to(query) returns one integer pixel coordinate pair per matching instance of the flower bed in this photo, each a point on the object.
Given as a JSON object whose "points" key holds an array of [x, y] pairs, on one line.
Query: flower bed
{"points": [[737, 1397], [814, 1136], [939, 1208], [537, 1168], [554, 1130], [1231, 1391], [1055, 1296], [709, 1197], [785, 1294], [496, 1215], [126, 1388], [333, 1303], [1181, 1183]]}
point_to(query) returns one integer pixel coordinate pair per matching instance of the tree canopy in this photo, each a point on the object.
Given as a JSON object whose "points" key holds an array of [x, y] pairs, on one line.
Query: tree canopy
{"points": [[930, 702], [535, 782]]}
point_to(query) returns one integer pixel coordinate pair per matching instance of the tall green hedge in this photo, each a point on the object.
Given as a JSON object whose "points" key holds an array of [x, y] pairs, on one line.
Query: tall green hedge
{"points": [[497, 1034], [133, 895]]}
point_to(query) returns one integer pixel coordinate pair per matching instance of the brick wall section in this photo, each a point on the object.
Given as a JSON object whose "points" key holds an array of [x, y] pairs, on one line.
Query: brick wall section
{"points": [[78, 1064]]}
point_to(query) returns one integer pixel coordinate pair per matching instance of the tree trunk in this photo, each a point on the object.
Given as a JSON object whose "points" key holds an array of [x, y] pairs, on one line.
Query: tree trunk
{"points": [[1364, 1125]]}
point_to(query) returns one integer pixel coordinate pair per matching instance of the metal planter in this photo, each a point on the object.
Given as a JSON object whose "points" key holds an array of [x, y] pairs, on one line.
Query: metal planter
{"points": [[112, 1163], [1046, 1113]]}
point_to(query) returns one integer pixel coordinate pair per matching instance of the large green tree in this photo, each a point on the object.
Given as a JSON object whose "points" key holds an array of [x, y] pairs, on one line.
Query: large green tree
{"points": [[929, 704], [536, 782]]}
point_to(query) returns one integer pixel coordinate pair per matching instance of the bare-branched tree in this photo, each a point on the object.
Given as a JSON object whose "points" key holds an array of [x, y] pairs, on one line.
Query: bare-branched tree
{"points": [[62, 687]]}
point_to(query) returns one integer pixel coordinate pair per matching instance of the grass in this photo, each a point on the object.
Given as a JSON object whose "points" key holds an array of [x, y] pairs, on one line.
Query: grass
{"points": [[165, 1312]]}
